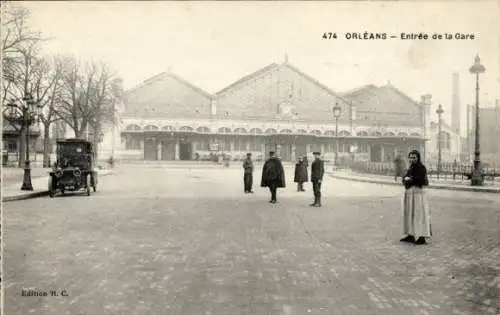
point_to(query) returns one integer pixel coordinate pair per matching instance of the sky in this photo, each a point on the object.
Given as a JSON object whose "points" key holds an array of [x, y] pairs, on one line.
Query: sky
{"points": [[212, 44]]}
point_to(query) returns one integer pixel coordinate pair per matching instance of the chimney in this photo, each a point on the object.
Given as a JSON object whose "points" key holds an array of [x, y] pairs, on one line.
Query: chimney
{"points": [[455, 104]]}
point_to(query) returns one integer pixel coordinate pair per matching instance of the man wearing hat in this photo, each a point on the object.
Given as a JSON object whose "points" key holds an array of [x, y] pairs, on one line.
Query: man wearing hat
{"points": [[273, 175], [317, 172], [248, 174]]}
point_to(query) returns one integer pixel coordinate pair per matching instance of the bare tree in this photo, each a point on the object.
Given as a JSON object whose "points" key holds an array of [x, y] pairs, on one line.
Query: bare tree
{"points": [[88, 96], [15, 29], [46, 90], [19, 45]]}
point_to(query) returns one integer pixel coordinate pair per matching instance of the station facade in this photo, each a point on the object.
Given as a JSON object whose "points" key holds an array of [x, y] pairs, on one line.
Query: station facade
{"points": [[276, 108]]}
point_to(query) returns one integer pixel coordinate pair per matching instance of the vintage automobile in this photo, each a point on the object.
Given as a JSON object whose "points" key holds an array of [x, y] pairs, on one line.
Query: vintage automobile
{"points": [[74, 168]]}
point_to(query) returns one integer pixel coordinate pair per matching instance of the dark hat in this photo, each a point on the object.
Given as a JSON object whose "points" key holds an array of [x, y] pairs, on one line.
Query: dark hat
{"points": [[316, 153], [271, 152], [249, 154]]}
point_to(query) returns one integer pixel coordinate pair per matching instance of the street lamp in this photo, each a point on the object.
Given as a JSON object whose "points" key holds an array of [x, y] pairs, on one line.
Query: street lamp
{"points": [[336, 114], [477, 176], [24, 114], [440, 112]]}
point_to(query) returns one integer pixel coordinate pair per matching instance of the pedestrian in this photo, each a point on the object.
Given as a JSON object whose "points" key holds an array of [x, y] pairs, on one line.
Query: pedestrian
{"points": [[300, 174], [273, 175], [317, 172], [399, 167], [416, 213], [248, 174]]}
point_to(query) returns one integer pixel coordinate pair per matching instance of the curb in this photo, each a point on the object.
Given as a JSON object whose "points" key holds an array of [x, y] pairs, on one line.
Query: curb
{"points": [[36, 194], [441, 187]]}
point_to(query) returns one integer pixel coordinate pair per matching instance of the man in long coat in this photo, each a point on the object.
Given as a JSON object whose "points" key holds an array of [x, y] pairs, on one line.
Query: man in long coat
{"points": [[273, 175], [248, 174], [300, 174], [317, 172]]}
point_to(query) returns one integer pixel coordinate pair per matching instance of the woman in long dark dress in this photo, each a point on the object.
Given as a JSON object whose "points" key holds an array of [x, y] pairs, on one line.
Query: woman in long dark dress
{"points": [[416, 213], [301, 175]]}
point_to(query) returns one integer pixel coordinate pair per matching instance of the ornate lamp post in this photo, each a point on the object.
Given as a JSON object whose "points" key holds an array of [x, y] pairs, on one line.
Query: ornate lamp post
{"points": [[336, 114], [440, 112], [24, 114], [477, 174]]}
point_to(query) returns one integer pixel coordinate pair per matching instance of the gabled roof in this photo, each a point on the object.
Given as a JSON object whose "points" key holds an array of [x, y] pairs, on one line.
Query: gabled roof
{"points": [[250, 76], [371, 89], [316, 82], [358, 90], [165, 75], [273, 66]]}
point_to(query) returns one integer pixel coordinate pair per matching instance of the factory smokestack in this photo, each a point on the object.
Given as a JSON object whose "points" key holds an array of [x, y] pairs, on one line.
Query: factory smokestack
{"points": [[455, 104]]}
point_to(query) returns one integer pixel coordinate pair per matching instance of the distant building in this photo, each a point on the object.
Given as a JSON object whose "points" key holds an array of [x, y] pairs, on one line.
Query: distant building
{"points": [[277, 108], [451, 144], [12, 142], [489, 130]]}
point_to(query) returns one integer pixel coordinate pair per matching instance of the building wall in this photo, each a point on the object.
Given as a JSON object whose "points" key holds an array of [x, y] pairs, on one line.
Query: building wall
{"points": [[489, 119], [166, 95], [283, 90], [451, 145]]}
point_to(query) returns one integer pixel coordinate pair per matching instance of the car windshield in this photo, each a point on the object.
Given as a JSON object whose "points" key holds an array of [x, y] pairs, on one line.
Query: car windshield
{"points": [[72, 154]]}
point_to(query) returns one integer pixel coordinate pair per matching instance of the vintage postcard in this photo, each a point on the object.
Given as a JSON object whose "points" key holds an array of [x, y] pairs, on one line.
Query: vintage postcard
{"points": [[239, 157]]}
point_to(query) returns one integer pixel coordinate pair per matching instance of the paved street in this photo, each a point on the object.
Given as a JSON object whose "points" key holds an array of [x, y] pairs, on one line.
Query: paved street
{"points": [[171, 241]]}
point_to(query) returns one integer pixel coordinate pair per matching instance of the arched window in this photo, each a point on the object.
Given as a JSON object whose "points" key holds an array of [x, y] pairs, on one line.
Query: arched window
{"points": [[240, 130], [389, 134], [168, 128], [224, 130], [255, 131], [203, 129], [330, 133], [302, 131], [186, 128], [402, 134], [285, 131], [151, 127], [362, 134], [133, 127], [377, 134], [344, 133], [271, 131], [316, 132]]}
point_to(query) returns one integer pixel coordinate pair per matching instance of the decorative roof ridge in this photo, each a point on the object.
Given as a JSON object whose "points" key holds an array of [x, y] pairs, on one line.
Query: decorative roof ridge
{"points": [[247, 77], [402, 94]]}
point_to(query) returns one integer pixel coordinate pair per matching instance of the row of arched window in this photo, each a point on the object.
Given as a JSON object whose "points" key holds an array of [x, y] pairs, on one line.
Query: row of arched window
{"points": [[257, 131]]}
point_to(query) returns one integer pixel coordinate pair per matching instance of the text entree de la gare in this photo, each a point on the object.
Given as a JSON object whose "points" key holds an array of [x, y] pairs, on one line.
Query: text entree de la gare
{"points": [[403, 36]]}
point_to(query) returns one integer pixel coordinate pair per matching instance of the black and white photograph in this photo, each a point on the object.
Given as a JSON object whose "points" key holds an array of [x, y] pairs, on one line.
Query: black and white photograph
{"points": [[250, 157]]}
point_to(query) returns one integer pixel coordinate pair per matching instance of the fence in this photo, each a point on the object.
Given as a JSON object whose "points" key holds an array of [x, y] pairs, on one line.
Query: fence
{"points": [[452, 171]]}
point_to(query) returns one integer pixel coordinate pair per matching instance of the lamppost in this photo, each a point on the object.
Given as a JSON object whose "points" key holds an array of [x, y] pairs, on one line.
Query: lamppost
{"points": [[440, 112], [24, 114], [336, 114], [477, 174]]}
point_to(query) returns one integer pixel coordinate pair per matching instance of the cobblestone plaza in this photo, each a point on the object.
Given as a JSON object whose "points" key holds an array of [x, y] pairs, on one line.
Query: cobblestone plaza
{"points": [[173, 240]]}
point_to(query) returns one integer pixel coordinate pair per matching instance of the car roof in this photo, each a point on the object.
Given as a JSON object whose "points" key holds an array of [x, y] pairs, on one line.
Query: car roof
{"points": [[74, 140]]}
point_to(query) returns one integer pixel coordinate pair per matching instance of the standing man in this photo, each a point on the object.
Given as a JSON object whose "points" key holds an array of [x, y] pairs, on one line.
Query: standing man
{"points": [[248, 174], [273, 175], [317, 172]]}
